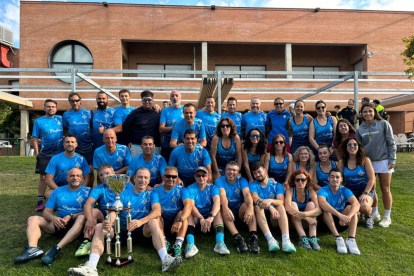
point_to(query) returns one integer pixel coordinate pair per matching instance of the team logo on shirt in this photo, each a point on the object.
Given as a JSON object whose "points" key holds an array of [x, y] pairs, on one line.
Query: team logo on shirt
{"points": [[284, 116], [237, 191], [285, 167], [119, 159], [84, 116], [106, 115], [154, 170], [330, 129], [361, 173], [196, 160], [80, 199], [144, 201], [306, 127], [77, 165], [174, 200], [59, 123], [261, 119], [208, 198]]}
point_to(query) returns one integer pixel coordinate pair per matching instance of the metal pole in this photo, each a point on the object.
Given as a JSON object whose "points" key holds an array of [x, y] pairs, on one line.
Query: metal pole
{"points": [[356, 94], [219, 90], [73, 80]]}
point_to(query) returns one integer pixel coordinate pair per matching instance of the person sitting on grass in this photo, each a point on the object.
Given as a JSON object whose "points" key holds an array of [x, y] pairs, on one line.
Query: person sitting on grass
{"points": [[68, 223], [301, 202], [340, 208]]}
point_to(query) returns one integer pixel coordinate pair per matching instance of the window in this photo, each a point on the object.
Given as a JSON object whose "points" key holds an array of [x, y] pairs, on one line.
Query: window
{"points": [[315, 69], [70, 54], [178, 67], [242, 68]]}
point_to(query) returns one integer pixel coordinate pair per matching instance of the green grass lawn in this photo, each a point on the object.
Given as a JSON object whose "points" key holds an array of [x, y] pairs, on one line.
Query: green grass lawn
{"points": [[383, 251]]}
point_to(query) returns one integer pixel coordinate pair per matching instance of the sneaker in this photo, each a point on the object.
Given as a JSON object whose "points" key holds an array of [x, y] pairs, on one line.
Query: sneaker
{"points": [[304, 242], [254, 244], [241, 245], [313, 241], [273, 245], [177, 250], [340, 245], [221, 248], [40, 206], [168, 246], [28, 254], [190, 250], [83, 270], [352, 246], [369, 222], [288, 247], [171, 263], [51, 254], [385, 222], [84, 249], [376, 216]]}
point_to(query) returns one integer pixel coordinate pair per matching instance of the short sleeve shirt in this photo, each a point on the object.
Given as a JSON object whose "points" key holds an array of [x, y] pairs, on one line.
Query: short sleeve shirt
{"points": [[50, 131], [67, 202], [271, 191], [252, 120], [79, 123], [234, 192], [104, 117], [203, 200], [180, 127], [170, 116], [338, 200], [119, 159], [172, 201], [156, 166], [187, 163]]}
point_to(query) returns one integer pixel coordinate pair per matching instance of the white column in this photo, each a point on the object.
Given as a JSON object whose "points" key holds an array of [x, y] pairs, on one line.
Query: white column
{"points": [[24, 130], [204, 65], [288, 59]]}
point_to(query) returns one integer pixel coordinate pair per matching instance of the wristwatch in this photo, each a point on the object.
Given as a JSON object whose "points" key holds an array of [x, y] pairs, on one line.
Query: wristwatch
{"points": [[365, 192], [179, 220], [200, 218], [211, 215]]}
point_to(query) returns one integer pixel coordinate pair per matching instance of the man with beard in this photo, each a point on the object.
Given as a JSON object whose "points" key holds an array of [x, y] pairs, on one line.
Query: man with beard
{"points": [[121, 113], [232, 114], [210, 119], [103, 119], [68, 223], [255, 118]]}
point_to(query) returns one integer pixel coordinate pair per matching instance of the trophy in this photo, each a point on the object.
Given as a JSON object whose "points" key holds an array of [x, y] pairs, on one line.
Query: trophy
{"points": [[117, 183]]}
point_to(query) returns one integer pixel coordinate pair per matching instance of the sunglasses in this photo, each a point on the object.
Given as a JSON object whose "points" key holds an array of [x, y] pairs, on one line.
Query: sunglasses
{"points": [[279, 142], [278, 103], [201, 175], [255, 136], [170, 176], [225, 126], [75, 101], [352, 144], [320, 107], [303, 180], [147, 100]]}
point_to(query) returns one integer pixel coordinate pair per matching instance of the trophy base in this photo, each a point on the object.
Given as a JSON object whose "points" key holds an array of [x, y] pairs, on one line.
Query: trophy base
{"points": [[123, 262]]}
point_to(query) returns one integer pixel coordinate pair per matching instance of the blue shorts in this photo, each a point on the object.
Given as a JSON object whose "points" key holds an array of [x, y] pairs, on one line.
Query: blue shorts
{"points": [[371, 194]]}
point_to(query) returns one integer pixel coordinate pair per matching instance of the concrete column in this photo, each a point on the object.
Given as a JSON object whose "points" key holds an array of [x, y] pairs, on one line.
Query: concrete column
{"points": [[204, 61], [288, 59], [24, 130]]}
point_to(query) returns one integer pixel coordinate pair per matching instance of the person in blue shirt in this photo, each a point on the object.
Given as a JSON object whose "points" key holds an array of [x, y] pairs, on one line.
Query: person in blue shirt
{"points": [[323, 167], [301, 203], [189, 157], [102, 120], [255, 118], [232, 114], [189, 122], [279, 163], [112, 153], [298, 127], [144, 226], [277, 120], [121, 113], [60, 164], [340, 210], [176, 207], [237, 204], [210, 119], [169, 116], [50, 130], [253, 150], [268, 197], [68, 201], [150, 160]]}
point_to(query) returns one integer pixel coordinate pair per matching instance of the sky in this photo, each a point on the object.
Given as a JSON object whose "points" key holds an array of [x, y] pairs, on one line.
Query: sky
{"points": [[10, 9]]}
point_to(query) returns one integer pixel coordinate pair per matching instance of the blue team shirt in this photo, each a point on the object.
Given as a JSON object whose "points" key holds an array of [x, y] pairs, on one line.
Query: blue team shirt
{"points": [[103, 196], [67, 202], [237, 120], [271, 191], [224, 156], [156, 166], [338, 200], [121, 113], [300, 134], [169, 116], [120, 158], [203, 200], [356, 179], [323, 178], [172, 201], [187, 163], [210, 122], [234, 192], [180, 127], [60, 165], [252, 120], [277, 122], [278, 171], [106, 118], [324, 134], [79, 123], [50, 130]]}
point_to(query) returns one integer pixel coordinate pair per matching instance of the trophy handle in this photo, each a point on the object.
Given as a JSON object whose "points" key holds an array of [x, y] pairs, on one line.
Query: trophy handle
{"points": [[128, 178]]}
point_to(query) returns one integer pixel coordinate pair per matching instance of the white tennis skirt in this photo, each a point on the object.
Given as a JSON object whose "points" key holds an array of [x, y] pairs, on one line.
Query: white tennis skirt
{"points": [[381, 166]]}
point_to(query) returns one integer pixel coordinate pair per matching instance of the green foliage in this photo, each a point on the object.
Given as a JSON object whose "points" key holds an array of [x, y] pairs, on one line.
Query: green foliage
{"points": [[10, 123], [5, 110], [409, 54]]}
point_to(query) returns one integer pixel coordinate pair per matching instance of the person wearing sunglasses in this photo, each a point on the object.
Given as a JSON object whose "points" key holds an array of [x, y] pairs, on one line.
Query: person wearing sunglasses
{"points": [[255, 118], [232, 114], [298, 127], [301, 203], [323, 167], [253, 150], [303, 159], [344, 129], [340, 211], [225, 147], [276, 121], [210, 119], [102, 120], [280, 161], [322, 129], [176, 205]]}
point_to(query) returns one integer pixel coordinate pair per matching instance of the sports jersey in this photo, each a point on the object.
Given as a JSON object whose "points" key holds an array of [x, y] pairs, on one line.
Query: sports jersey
{"points": [[253, 158], [120, 115], [210, 122], [297, 167], [301, 205], [67, 202], [104, 195], [323, 178], [356, 179], [224, 156], [278, 171], [252, 120], [60, 165], [120, 158], [237, 120], [277, 122], [180, 127], [156, 166], [172, 201], [104, 117], [50, 131], [300, 134], [271, 191], [338, 200], [187, 163], [79, 123], [203, 200], [324, 134], [234, 192], [169, 116]]}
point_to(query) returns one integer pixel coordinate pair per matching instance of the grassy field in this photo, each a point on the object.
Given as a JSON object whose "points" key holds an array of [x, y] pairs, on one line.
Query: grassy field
{"points": [[383, 251]]}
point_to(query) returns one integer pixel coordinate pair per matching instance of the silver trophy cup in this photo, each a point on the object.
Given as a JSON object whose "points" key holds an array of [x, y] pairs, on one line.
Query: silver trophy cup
{"points": [[117, 183]]}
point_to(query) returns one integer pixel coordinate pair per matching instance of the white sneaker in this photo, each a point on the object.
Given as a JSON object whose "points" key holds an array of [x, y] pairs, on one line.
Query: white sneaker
{"points": [[288, 247], [190, 250], [221, 248], [83, 270], [273, 245], [376, 216], [352, 246], [340, 245], [170, 263], [385, 222]]}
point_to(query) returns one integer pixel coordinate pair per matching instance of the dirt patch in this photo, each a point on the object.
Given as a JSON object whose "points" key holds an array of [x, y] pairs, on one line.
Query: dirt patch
{"points": [[4, 174]]}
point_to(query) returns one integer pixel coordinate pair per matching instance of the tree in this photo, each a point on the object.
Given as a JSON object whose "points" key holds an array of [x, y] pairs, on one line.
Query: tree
{"points": [[9, 118], [5, 110], [409, 55]]}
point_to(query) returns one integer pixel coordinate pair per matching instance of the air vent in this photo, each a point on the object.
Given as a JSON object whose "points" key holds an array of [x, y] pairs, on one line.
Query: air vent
{"points": [[6, 37]]}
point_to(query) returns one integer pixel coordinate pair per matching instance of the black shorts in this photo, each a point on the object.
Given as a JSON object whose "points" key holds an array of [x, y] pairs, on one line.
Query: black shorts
{"points": [[41, 163], [63, 231], [338, 227], [137, 236], [87, 154], [166, 153]]}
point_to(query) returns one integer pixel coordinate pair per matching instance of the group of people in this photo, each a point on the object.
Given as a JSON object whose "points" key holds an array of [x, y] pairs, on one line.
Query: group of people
{"points": [[266, 168]]}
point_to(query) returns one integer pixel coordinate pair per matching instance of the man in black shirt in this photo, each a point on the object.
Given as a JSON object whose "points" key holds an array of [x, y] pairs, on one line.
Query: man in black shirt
{"points": [[348, 112]]}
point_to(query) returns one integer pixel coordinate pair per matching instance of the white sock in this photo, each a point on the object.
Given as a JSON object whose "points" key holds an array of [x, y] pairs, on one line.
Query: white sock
{"points": [[93, 260], [285, 237], [179, 241], [162, 252], [387, 213], [268, 236], [374, 210]]}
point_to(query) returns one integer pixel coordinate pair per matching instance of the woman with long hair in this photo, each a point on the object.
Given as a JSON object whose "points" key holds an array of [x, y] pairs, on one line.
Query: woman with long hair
{"points": [[298, 127], [280, 161], [253, 150], [323, 167], [305, 160], [344, 129]]}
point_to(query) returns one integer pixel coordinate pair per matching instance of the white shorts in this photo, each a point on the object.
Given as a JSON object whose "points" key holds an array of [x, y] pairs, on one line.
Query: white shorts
{"points": [[381, 166], [136, 150]]}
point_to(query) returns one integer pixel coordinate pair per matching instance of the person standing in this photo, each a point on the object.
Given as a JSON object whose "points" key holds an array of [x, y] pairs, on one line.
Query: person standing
{"points": [[255, 118], [210, 119], [298, 127], [121, 113], [232, 114], [103, 119], [276, 122], [348, 112]]}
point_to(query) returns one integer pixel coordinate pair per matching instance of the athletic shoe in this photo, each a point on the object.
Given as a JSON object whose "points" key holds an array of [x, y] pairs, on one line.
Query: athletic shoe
{"points": [[241, 245], [369, 222], [167, 246], [177, 250], [352, 246], [273, 245], [385, 222], [190, 250], [171, 263], [304, 242], [288, 247], [40, 206], [83, 270], [254, 244], [84, 249], [221, 248], [28, 254], [376, 216], [340, 245], [313, 241], [51, 254]]}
